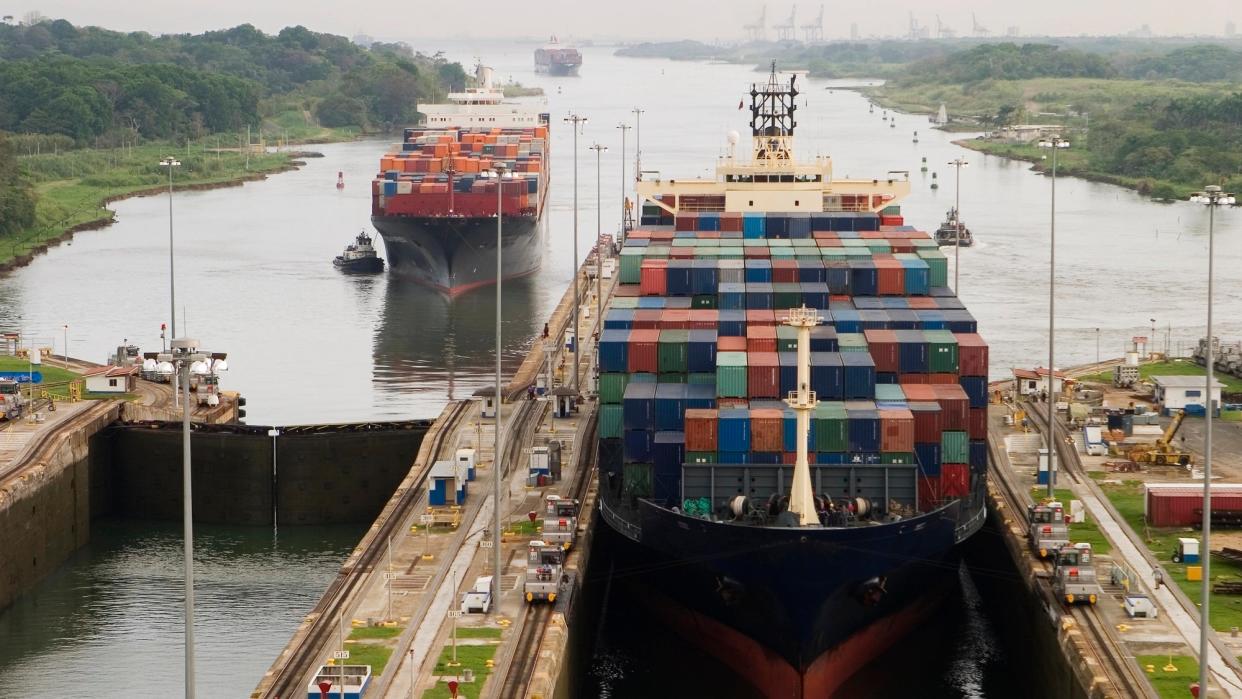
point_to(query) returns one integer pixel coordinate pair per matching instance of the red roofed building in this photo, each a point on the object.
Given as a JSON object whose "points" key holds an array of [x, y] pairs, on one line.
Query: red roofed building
{"points": [[111, 379], [1027, 382]]}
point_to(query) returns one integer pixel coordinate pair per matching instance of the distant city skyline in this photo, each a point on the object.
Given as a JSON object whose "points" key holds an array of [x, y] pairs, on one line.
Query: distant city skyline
{"points": [[721, 21]]}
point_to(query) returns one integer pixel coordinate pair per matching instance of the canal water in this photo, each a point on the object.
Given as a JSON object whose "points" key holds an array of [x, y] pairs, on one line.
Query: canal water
{"points": [[307, 344]]}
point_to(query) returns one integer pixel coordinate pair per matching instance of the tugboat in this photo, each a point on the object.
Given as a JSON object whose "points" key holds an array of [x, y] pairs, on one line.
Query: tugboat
{"points": [[359, 257], [953, 231]]}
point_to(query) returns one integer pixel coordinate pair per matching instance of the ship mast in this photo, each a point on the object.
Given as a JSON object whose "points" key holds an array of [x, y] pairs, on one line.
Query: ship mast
{"points": [[772, 121], [802, 494]]}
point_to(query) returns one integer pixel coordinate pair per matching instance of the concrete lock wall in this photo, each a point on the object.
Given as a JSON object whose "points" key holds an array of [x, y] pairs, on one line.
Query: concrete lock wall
{"points": [[325, 477]]}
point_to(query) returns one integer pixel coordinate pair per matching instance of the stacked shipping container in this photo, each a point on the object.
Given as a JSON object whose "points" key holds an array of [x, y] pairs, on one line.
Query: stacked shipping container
{"points": [[694, 360]]}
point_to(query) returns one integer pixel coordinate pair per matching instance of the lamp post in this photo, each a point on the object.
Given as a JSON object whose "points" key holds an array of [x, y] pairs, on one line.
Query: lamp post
{"points": [[66, 362], [497, 467], [1056, 143], [624, 128], [957, 163], [577, 121], [1212, 196], [184, 350], [599, 226], [170, 163], [1151, 341], [1097, 345], [638, 142]]}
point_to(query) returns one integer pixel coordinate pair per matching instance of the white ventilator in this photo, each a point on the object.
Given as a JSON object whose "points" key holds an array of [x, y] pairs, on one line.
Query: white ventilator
{"points": [[802, 400]]}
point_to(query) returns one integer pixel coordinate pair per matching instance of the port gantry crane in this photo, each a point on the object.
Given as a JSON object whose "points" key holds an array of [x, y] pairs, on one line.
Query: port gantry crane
{"points": [[814, 31], [979, 29], [943, 31], [757, 31], [789, 30]]}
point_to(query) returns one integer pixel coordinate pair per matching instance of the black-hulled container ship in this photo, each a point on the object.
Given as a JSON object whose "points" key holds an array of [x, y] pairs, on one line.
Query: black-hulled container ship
{"points": [[435, 199], [795, 553]]}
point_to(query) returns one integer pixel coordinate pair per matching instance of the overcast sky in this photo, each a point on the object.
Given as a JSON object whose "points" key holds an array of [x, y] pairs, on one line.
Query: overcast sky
{"points": [[706, 20]]}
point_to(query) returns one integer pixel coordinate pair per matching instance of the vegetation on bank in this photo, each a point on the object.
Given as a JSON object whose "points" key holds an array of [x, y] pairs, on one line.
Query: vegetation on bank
{"points": [[1170, 684], [1232, 384]]}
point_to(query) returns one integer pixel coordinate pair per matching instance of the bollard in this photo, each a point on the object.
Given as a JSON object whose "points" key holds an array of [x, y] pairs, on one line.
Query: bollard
{"points": [[1233, 631]]}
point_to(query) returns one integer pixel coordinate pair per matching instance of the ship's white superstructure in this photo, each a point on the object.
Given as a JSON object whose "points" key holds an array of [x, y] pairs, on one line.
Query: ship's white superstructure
{"points": [[479, 107]]}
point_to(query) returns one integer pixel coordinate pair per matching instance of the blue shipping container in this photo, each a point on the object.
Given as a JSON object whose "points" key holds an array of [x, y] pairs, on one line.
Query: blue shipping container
{"points": [[929, 459], [827, 375], [734, 430], [864, 430], [753, 225], [638, 405], [638, 446], [976, 388], [670, 406], [859, 375], [702, 351], [613, 350]]}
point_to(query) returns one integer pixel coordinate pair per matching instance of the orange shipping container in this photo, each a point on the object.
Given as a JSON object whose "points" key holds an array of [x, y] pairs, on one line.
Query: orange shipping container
{"points": [[701, 430], [766, 431], [896, 430], [761, 338]]}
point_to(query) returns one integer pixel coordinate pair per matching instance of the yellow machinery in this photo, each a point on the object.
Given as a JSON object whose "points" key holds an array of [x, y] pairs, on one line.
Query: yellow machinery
{"points": [[1163, 451]]}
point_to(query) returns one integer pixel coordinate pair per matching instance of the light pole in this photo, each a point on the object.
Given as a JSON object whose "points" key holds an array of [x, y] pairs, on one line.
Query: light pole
{"points": [[1213, 197], [184, 350], [171, 163], [1056, 143], [599, 229], [497, 467], [957, 163], [624, 128], [638, 142], [1097, 345], [577, 121], [1151, 341], [66, 362]]}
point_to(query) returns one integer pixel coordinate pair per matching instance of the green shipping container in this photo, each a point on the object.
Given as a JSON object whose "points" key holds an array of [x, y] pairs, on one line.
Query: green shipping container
{"points": [[889, 392], [787, 295], [610, 422], [674, 351], [700, 457], [897, 457], [954, 448], [786, 338], [612, 387], [701, 379], [830, 427], [631, 265], [703, 301], [941, 352], [937, 265], [623, 302], [636, 480], [673, 378], [891, 211], [731, 375], [852, 342]]}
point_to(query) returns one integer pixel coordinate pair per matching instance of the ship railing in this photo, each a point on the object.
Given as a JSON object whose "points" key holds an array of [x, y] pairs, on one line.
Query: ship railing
{"points": [[965, 529], [629, 530]]}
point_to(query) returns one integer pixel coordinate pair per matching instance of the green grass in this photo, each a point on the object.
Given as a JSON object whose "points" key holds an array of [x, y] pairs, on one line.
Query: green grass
{"points": [[1170, 685], [291, 124], [473, 657], [1128, 498], [1087, 532], [478, 632], [374, 632], [525, 527], [1174, 368], [72, 185], [374, 654]]}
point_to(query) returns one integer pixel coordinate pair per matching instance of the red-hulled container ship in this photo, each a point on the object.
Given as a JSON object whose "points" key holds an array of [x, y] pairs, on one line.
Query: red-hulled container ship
{"points": [[555, 59], [435, 199]]}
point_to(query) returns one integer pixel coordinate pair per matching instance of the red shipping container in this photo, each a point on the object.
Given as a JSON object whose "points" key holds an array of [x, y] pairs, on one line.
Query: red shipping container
{"points": [[653, 278], [901, 246], [763, 375], [730, 343], [643, 351], [686, 222], [926, 303], [755, 316], [681, 253], [626, 290], [766, 431], [646, 319], [791, 457], [919, 379], [784, 271], [675, 319], [918, 392], [954, 405], [891, 276], [701, 430], [929, 493], [882, 344], [927, 421], [942, 378], [722, 403], [977, 423], [730, 222], [760, 338], [704, 318], [972, 354], [954, 480], [896, 430], [1175, 506], [892, 221]]}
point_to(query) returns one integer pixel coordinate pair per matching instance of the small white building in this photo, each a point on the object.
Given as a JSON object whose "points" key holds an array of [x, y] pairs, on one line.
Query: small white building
{"points": [[1180, 392], [111, 379], [1027, 382]]}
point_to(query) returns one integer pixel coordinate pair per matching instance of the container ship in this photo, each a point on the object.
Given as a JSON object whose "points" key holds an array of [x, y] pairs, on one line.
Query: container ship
{"points": [[555, 59], [796, 539], [434, 201]]}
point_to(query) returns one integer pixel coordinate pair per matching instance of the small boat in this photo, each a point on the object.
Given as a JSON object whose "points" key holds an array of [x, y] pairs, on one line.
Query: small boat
{"points": [[953, 231], [360, 257], [346, 681], [340, 180]]}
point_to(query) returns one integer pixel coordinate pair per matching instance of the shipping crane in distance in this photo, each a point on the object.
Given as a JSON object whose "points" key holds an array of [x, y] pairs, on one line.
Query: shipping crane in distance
{"points": [[944, 32], [789, 30], [757, 31], [917, 31], [979, 29], [814, 31]]}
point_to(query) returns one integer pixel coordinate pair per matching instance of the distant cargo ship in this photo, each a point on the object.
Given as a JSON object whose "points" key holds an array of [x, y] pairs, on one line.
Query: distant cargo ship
{"points": [[434, 201], [555, 59], [796, 540]]}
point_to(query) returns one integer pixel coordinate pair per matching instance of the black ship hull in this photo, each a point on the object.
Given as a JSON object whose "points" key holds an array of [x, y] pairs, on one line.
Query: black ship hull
{"points": [[364, 265], [794, 611], [558, 69], [456, 254]]}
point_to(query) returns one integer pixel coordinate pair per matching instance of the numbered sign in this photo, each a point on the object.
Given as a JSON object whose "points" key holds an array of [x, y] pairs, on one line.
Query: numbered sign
{"points": [[487, 544], [426, 519], [340, 655], [454, 614]]}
